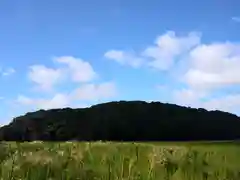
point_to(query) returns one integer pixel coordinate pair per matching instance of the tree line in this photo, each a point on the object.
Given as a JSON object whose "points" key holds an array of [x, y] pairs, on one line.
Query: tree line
{"points": [[123, 121]]}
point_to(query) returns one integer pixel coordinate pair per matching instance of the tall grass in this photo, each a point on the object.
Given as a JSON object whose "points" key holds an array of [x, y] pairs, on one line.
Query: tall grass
{"points": [[119, 161]]}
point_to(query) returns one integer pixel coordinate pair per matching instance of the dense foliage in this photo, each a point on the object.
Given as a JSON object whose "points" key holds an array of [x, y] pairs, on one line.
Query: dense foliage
{"points": [[124, 121]]}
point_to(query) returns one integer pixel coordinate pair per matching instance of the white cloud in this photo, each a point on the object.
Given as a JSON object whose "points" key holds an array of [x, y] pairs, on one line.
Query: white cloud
{"points": [[208, 67], [168, 47], [74, 69], [95, 92], [188, 97], [228, 103], [79, 70], [236, 19], [70, 72], [45, 77], [214, 66], [57, 101], [124, 58], [211, 67], [24, 100], [203, 68], [87, 92], [160, 56]]}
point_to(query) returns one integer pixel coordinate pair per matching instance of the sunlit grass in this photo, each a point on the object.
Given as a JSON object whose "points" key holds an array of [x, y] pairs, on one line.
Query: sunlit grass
{"points": [[115, 161]]}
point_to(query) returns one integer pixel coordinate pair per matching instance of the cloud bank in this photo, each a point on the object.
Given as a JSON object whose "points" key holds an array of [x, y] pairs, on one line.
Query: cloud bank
{"points": [[208, 68]]}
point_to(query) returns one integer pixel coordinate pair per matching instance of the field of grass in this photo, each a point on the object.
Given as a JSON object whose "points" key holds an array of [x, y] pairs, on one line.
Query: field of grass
{"points": [[119, 161]]}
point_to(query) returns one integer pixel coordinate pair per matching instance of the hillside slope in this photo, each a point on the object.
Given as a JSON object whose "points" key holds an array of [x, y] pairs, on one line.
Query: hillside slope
{"points": [[126, 121]]}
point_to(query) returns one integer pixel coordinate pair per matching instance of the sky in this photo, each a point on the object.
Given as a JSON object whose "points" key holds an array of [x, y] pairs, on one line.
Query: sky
{"points": [[76, 53]]}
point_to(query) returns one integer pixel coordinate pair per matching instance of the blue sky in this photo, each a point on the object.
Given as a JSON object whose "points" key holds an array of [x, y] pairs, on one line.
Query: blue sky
{"points": [[77, 53]]}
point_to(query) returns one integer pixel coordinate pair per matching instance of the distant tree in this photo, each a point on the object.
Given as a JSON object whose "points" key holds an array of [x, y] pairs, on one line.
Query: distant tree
{"points": [[124, 121]]}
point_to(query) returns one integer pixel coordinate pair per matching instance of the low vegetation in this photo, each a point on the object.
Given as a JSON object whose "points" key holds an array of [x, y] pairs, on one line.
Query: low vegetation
{"points": [[115, 161]]}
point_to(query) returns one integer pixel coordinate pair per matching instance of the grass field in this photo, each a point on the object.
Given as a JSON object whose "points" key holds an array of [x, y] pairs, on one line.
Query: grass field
{"points": [[115, 161]]}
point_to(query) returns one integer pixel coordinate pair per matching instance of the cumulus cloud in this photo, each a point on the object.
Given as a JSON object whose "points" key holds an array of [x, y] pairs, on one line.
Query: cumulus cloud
{"points": [[73, 69], [168, 47], [187, 97], [214, 66], [161, 55], [74, 73], [203, 68], [45, 78], [211, 67], [207, 68], [57, 101], [94, 91], [191, 98], [228, 103], [124, 58], [78, 69], [86, 92]]}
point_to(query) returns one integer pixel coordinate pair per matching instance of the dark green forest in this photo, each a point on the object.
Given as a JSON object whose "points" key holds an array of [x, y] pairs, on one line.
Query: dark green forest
{"points": [[124, 121]]}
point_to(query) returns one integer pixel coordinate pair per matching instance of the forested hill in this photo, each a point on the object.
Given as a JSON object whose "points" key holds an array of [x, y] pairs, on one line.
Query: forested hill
{"points": [[125, 121]]}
